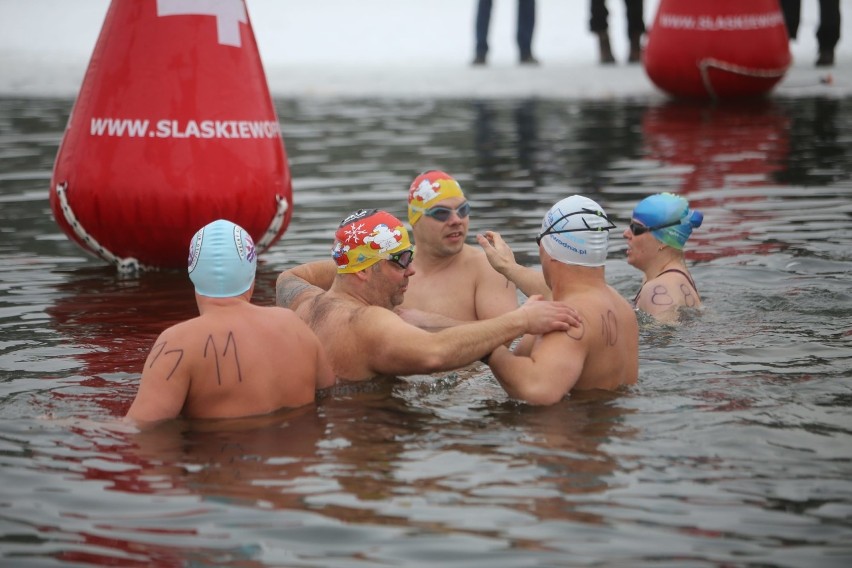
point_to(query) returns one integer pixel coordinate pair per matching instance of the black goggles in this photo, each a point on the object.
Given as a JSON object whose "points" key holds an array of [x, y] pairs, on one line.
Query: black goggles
{"points": [[402, 258], [586, 228], [443, 213], [638, 229]]}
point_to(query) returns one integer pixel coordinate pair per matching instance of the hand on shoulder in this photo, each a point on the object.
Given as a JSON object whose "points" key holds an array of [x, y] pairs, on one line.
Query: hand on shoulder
{"points": [[544, 316]]}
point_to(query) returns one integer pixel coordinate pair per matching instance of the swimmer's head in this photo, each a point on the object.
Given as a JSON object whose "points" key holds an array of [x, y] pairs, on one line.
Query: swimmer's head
{"points": [[222, 260], [366, 237], [428, 189], [669, 217], [576, 231]]}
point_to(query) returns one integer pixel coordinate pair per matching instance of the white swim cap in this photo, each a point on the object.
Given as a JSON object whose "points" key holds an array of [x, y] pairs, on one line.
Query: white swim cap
{"points": [[222, 260], [576, 231]]}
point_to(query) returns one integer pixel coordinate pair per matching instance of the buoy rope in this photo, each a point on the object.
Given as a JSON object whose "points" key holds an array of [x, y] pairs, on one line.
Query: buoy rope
{"points": [[706, 64], [125, 265], [131, 265], [277, 220]]}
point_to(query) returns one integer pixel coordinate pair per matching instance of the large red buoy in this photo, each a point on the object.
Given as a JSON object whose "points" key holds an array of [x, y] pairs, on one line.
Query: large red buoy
{"points": [[717, 49], [174, 127]]}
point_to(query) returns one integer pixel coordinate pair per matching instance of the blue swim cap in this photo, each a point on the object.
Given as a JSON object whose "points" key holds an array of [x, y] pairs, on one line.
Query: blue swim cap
{"points": [[222, 260], [665, 209]]}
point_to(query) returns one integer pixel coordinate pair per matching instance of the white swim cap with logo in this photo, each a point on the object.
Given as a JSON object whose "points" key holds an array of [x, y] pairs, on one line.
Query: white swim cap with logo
{"points": [[576, 231], [222, 260]]}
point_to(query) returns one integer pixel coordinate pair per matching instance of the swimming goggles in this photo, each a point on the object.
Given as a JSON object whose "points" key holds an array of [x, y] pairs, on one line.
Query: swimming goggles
{"points": [[443, 213], [638, 229], [402, 258], [550, 231]]}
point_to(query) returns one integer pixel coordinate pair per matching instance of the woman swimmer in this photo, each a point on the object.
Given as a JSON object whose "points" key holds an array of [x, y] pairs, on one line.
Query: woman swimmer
{"points": [[660, 227]]}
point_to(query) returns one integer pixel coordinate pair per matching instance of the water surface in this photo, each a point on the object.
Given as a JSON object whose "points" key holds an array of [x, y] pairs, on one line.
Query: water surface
{"points": [[734, 449]]}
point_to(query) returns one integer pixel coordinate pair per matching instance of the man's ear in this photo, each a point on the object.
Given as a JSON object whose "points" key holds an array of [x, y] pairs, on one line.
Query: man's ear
{"points": [[363, 274]]}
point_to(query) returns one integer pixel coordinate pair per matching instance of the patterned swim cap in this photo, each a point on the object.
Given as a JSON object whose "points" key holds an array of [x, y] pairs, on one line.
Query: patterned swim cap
{"points": [[222, 260], [366, 237], [671, 213], [427, 189], [576, 231]]}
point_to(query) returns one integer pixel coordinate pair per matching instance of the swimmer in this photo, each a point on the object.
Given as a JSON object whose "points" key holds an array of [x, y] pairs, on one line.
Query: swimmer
{"points": [[658, 231], [451, 278], [348, 302], [603, 351], [234, 359]]}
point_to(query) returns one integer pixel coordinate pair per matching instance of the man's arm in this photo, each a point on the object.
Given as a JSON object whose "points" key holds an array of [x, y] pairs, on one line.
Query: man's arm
{"points": [[293, 285], [546, 374], [397, 348], [164, 385], [528, 280]]}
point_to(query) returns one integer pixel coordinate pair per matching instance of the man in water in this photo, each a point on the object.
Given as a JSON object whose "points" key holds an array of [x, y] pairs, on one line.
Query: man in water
{"points": [[603, 351], [452, 278], [348, 302], [235, 359]]}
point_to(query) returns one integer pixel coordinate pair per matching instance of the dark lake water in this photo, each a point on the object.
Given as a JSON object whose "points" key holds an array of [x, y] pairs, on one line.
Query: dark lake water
{"points": [[734, 449]]}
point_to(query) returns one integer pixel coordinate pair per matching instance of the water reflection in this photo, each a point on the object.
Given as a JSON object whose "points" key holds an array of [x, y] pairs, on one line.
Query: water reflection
{"points": [[820, 142], [714, 146]]}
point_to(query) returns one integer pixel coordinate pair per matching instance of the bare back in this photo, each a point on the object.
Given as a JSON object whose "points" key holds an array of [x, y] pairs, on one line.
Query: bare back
{"points": [[610, 337], [601, 353], [233, 360], [335, 321], [466, 288]]}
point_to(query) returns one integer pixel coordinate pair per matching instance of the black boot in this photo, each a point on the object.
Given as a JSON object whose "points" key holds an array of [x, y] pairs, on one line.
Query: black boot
{"points": [[635, 55], [826, 58], [605, 49]]}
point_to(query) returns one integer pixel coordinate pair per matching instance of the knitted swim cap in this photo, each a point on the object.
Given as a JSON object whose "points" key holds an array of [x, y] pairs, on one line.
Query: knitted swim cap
{"points": [[427, 189], [222, 260], [668, 209], [366, 237], [576, 231]]}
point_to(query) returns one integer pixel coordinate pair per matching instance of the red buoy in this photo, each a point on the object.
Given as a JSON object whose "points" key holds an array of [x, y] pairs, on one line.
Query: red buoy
{"points": [[719, 49], [173, 127]]}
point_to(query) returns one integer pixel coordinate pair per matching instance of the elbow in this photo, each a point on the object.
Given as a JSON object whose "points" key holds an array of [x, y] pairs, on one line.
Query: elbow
{"points": [[435, 358], [434, 363], [532, 391], [423, 362], [542, 398]]}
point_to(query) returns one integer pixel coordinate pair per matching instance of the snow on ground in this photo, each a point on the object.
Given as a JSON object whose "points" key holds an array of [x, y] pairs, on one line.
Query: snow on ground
{"points": [[393, 48]]}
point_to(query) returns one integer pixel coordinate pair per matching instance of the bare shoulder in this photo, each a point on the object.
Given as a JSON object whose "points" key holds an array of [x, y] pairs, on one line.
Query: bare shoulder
{"points": [[668, 290], [376, 317], [476, 262], [290, 291], [182, 329], [474, 256], [606, 316]]}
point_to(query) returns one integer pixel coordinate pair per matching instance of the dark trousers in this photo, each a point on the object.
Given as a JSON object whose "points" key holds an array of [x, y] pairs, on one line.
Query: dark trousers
{"points": [[526, 23], [635, 21], [828, 33]]}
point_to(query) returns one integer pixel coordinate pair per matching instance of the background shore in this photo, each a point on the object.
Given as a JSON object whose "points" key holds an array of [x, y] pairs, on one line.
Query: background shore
{"points": [[387, 48]]}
